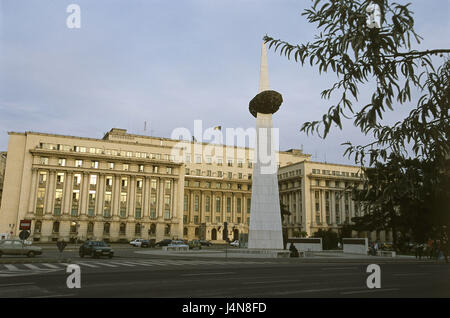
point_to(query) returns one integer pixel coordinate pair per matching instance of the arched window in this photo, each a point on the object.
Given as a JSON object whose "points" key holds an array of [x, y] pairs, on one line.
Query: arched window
{"points": [[37, 227], [152, 230], [56, 227], [137, 229], [197, 231], [122, 228], [73, 227], [167, 230], [214, 234], [235, 235], [90, 228], [106, 228], [185, 231]]}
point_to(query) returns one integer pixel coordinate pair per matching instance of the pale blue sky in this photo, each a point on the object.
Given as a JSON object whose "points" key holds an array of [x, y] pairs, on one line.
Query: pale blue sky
{"points": [[167, 63]]}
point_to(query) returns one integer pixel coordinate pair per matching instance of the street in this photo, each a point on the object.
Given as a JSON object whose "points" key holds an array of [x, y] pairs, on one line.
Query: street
{"points": [[131, 274]]}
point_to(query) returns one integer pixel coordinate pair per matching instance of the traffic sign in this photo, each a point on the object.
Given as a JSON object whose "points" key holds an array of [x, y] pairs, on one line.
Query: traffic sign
{"points": [[23, 235], [25, 225]]}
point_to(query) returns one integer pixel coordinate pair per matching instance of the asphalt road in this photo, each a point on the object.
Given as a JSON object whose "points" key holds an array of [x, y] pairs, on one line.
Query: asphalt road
{"points": [[150, 276]]}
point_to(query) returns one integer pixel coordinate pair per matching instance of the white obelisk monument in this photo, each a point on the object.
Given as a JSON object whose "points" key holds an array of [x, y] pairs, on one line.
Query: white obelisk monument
{"points": [[265, 232]]}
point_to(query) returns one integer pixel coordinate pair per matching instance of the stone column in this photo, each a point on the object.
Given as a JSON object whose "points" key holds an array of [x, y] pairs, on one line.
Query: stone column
{"points": [[146, 207], [131, 199], [84, 193], [33, 189], [68, 184], [174, 212], [160, 202], [50, 192], [192, 210], [100, 195], [203, 208], [116, 190]]}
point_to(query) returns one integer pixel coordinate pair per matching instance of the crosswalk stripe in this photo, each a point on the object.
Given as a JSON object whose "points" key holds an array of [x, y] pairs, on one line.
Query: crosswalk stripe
{"points": [[140, 263], [50, 266], [88, 265], [123, 263], [31, 266], [157, 262], [106, 264], [11, 267]]}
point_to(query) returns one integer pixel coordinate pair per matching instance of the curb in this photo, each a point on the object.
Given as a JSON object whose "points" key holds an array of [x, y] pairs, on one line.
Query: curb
{"points": [[34, 260]]}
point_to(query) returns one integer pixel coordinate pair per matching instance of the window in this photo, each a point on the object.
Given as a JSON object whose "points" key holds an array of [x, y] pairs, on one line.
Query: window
{"points": [[248, 205], [78, 163], [219, 161], [37, 227], [137, 229], [169, 170], [239, 175], [198, 159], [125, 167], [55, 228], [90, 228], [230, 175], [122, 229], [44, 161], [239, 163], [167, 230], [155, 169], [198, 172], [209, 173], [238, 206], [93, 180], [94, 164], [230, 162], [219, 174], [111, 165], [207, 203], [106, 227], [187, 171], [228, 205], [217, 204], [196, 203], [61, 162], [185, 202]]}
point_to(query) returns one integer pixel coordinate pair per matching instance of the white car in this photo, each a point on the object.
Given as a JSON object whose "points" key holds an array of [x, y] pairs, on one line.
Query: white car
{"points": [[235, 243], [178, 243], [136, 242]]}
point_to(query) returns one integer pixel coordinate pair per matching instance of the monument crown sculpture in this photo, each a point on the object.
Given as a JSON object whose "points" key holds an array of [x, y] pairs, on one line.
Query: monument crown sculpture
{"points": [[266, 102]]}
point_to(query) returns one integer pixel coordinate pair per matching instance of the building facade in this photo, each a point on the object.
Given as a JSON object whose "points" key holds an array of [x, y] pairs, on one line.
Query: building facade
{"points": [[125, 186], [318, 196]]}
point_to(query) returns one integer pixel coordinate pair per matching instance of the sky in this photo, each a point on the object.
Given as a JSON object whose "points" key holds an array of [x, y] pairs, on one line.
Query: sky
{"points": [[169, 63]]}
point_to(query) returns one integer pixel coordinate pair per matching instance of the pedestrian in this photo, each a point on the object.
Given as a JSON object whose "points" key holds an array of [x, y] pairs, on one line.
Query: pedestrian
{"points": [[420, 251]]}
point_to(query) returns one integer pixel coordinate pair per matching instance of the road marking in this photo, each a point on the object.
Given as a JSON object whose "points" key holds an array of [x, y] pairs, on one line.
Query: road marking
{"points": [[122, 263], [269, 282], [47, 296], [31, 266], [141, 263], [411, 274], [18, 284], [158, 262], [200, 274], [106, 264], [12, 267], [368, 291], [51, 266], [338, 268], [87, 264]]}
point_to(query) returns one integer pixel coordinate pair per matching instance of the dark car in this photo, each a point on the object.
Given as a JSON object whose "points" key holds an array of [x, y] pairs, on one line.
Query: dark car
{"points": [[164, 242], [148, 243], [194, 244], [96, 249], [205, 243]]}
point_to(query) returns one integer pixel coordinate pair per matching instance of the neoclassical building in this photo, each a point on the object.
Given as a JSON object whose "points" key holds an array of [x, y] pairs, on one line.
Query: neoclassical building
{"points": [[318, 196], [125, 186]]}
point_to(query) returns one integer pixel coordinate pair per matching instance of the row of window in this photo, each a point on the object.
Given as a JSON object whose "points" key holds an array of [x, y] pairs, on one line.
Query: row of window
{"points": [[229, 205], [74, 228], [110, 165], [336, 173], [217, 160], [109, 152], [218, 219], [218, 185], [218, 174], [293, 173]]}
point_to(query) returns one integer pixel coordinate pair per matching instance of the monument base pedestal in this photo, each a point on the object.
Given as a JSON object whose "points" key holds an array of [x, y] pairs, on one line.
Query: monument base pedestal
{"points": [[259, 253]]}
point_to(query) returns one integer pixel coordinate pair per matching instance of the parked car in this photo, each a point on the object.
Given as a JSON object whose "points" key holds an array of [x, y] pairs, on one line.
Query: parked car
{"points": [[165, 242], [148, 243], [235, 243], [205, 243], [194, 244], [96, 249], [17, 247], [136, 242], [178, 243]]}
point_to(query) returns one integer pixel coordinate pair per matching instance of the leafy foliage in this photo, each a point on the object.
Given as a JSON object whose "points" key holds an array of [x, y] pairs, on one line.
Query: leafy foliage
{"points": [[329, 238], [409, 196], [358, 55]]}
